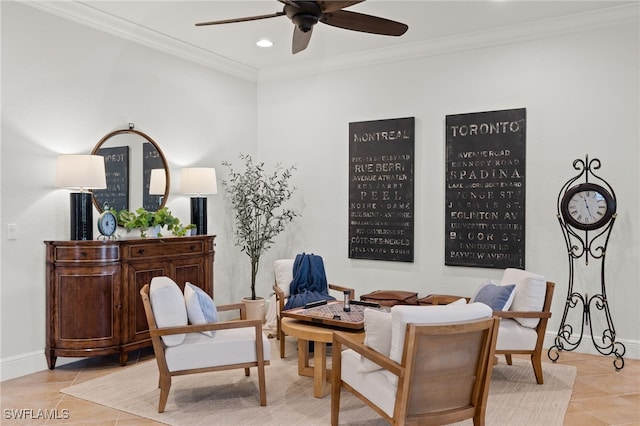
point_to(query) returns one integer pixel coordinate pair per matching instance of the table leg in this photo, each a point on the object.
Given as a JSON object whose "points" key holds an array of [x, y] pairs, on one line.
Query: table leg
{"points": [[303, 358], [320, 386]]}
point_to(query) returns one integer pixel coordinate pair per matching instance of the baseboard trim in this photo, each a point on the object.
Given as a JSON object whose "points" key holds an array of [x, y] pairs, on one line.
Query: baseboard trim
{"points": [[29, 363]]}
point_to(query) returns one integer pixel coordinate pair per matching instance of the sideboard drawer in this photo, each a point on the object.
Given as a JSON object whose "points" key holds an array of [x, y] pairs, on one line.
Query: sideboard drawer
{"points": [[173, 248], [86, 254]]}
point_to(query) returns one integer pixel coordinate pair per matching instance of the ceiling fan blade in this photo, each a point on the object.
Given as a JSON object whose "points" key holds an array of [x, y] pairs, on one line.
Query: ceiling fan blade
{"points": [[300, 40], [365, 23], [332, 6], [289, 2], [248, 18]]}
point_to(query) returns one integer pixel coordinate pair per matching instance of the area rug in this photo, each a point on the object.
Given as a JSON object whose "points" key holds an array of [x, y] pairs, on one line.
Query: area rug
{"points": [[230, 398]]}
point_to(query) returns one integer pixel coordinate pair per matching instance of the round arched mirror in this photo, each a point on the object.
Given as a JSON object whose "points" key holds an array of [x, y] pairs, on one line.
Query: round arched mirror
{"points": [[137, 172]]}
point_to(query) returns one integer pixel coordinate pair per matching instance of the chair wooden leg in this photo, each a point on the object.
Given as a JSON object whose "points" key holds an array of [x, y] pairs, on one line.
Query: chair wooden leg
{"points": [[507, 357], [281, 337], [536, 362], [478, 420], [247, 372], [165, 385], [262, 384]]}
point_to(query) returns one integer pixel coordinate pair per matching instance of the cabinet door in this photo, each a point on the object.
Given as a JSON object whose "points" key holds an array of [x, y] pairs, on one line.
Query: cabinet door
{"points": [[139, 274], [189, 270], [87, 308]]}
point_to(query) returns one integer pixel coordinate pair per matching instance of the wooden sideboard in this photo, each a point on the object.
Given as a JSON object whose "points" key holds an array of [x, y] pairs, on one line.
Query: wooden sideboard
{"points": [[93, 290]]}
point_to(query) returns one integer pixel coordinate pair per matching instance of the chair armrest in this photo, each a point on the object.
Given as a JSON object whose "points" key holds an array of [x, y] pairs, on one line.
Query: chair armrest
{"points": [[278, 291], [212, 326], [342, 289], [232, 307], [342, 338], [522, 314], [442, 299]]}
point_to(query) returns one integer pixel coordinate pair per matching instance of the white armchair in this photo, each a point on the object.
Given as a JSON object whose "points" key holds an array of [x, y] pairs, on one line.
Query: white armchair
{"points": [[419, 364], [524, 316], [201, 347], [283, 270]]}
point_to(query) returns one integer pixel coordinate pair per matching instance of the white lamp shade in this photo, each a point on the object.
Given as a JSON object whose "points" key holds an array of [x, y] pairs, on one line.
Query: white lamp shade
{"points": [[157, 182], [81, 171], [198, 180]]}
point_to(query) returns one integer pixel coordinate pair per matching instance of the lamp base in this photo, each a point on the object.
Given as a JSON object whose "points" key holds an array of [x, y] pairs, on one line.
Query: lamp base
{"points": [[81, 216], [199, 214]]}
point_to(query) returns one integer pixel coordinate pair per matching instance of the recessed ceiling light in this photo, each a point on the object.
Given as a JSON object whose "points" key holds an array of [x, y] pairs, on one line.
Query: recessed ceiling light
{"points": [[264, 43]]}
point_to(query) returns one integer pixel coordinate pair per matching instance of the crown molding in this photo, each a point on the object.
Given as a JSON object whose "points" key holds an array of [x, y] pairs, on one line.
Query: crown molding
{"points": [[477, 40], [86, 15]]}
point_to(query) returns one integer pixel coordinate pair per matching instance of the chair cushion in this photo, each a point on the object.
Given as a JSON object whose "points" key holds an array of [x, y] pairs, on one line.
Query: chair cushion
{"points": [[232, 346], [377, 328], [168, 307], [200, 307], [283, 269], [497, 297], [374, 385], [513, 336], [529, 294], [401, 315]]}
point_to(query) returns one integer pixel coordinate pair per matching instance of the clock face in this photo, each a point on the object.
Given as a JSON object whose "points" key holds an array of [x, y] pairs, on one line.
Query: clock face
{"points": [[107, 224], [587, 206]]}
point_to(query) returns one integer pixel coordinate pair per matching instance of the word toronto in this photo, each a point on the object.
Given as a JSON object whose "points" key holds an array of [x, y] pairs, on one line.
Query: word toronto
{"points": [[35, 414], [498, 127]]}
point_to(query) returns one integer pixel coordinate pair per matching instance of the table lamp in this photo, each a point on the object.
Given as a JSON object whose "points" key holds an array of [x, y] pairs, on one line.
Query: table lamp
{"points": [[158, 183], [199, 181], [81, 172]]}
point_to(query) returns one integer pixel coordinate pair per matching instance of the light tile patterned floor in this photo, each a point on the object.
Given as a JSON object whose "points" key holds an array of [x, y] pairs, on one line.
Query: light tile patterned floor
{"points": [[601, 396]]}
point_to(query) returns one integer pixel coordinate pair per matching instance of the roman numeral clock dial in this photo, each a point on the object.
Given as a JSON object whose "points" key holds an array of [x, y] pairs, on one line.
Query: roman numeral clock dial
{"points": [[587, 206]]}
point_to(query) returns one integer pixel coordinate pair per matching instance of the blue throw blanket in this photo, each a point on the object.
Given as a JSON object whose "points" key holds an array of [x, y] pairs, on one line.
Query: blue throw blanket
{"points": [[309, 281]]}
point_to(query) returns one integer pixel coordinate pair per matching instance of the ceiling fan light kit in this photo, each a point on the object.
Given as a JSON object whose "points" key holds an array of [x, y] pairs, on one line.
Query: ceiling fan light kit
{"points": [[306, 14]]}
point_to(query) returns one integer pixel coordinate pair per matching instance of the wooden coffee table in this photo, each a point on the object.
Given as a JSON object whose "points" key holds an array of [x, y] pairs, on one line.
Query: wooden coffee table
{"points": [[320, 335]]}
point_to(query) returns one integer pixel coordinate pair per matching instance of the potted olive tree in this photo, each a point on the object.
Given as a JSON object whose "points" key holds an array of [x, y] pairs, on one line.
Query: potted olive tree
{"points": [[257, 198]]}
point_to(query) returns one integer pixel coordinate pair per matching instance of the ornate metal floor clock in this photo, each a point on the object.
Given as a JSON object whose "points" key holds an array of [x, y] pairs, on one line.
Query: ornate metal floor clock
{"points": [[586, 212]]}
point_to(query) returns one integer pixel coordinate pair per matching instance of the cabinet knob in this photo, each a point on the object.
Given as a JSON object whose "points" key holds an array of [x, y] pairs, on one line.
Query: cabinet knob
{"points": [[193, 247], [119, 305], [83, 254], [141, 251]]}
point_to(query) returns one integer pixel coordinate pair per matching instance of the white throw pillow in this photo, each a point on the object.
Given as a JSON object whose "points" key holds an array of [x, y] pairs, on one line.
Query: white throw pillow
{"points": [[377, 328], [200, 307], [529, 294], [461, 301], [168, 307]]}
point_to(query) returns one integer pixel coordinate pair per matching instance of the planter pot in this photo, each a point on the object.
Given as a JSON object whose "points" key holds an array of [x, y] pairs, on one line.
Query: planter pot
{"points": [[153, 231], [255, 308]]}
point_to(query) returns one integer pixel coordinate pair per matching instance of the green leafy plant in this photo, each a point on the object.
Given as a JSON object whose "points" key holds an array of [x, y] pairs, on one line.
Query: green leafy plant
{"points": [[257, 199], [143, 219]]}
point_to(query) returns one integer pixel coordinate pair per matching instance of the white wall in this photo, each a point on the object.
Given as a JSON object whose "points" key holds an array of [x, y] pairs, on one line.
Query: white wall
{"points": [[581, 93], [64, 86]]}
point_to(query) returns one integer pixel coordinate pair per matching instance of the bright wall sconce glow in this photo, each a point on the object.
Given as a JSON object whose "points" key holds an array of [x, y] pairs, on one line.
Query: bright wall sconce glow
{"points": [[264, 43]]}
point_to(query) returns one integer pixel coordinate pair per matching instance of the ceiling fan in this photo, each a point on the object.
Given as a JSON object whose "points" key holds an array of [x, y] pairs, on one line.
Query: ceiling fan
{"points": [[306, 14]]}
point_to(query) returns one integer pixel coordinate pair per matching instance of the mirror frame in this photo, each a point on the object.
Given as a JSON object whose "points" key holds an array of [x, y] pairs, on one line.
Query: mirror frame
{"points": [[152, 142]]}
